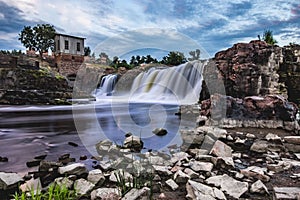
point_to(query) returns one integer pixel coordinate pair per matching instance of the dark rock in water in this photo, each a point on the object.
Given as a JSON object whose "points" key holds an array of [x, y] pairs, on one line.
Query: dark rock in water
{"points": [[64, 156], [73, 144], [160, 131], [83, 157], [33, 163], [128, 134], [27, 177], [40, 157], [3, 159]]}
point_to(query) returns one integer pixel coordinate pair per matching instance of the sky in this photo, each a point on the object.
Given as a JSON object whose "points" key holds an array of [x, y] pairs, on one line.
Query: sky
{"points": [[122, 26]]}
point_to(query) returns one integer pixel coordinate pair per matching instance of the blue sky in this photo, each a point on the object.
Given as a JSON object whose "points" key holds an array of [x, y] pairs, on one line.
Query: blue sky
{"points": [[169, 24]]}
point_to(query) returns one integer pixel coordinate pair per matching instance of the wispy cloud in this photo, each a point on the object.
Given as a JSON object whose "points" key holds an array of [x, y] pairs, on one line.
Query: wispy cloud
{"points": [[212, 24]]}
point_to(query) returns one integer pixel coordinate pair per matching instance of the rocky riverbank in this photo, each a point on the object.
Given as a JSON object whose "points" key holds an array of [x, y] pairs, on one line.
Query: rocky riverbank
{"points": [[218, 164]]}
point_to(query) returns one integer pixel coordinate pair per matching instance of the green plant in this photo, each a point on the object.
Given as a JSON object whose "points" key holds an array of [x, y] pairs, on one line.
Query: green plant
{"points": [[54, 192], [268, 37]]}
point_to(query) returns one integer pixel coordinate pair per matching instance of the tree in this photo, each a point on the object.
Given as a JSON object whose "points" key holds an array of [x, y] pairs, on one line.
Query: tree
{"points": [[174, 58], [87, 51], [195, 55], [39, 37], [268, 37]]}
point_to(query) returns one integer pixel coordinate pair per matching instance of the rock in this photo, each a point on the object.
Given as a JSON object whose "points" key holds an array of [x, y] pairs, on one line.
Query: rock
{"points": [[292, 139], [219, 194], [103, 146], [199, 191], [64, 181], [260, 146], [83, 157], [46, 166], [229, 185], [3, 159], [96, 177], [73, 144], [273, 137], [73, 169], [133, 142], [162, 170], [181, 177], [179, 156], [40, 157], [105, 194], [192, 174], [83, 187], [128, 134], [136, 194], [172, 184], [220, 149], [287, 192], [160, 131], [201, 166], [250, 136], [9, 180], [259, 187], [240, 141], [120, 174], [256, 172], [33, 163]]}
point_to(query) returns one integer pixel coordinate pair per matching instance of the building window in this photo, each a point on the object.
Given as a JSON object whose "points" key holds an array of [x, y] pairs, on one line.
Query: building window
{"points": [[58, 45], [78, 46], [66, 45]]}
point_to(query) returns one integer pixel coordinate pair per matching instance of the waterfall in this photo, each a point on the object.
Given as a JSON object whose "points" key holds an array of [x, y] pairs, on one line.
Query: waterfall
{"points": [[107, 85], [180, 85]]}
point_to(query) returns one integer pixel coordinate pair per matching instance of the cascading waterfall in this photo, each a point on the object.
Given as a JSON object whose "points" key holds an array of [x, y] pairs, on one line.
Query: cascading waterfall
{"points": [[180, 85], [107, 85]]}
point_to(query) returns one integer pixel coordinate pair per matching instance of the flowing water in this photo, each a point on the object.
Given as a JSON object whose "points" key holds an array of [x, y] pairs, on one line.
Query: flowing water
{"points": [[154, 98]]}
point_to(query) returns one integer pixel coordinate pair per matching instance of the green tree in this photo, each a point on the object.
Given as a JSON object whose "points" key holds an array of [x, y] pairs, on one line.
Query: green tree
{"points": [[39, 37], [268, 37], [87, 51], [174, 58], [195, 55]]}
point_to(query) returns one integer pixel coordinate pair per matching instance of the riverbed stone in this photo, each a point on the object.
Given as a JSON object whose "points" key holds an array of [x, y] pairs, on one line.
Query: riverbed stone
{"points": [[83, 187], [201, 166], [287, 192], [162, 170], [292, 139], [64, 181], [259, 187], [160, 131], [105, 194], [259, 146], [135, 194], [9, 180], [73, 169], [172, 184], [133, 142], [221, 149], [198, 191], [181, 177], [229, 185], [96, 177]]}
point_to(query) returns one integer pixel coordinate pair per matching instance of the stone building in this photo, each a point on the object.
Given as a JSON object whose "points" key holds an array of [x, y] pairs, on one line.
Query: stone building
{"points": [[69, 54]]}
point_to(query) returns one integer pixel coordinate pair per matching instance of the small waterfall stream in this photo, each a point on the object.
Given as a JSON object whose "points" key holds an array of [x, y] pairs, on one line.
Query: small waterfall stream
{"points": [[107, 85]]}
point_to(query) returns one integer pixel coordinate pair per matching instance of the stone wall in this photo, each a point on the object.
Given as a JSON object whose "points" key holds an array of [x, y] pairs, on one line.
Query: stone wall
{"points": [[68, 64]]}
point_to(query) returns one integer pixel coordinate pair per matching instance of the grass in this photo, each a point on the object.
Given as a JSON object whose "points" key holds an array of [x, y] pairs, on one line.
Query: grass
{"points": [[54, 192]]}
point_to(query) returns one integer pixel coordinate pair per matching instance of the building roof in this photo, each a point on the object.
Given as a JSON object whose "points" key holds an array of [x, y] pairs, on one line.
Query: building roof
{"points": [[70, 36]]}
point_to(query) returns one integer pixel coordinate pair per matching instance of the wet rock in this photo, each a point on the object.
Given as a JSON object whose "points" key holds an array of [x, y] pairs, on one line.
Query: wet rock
{"points": [[198, 166], [9, 180], [259, 187], [160, 131], [105, 194], [73, 169], [181, 177], [229, 185], [287, 192], [40, 157], [134, 143], [220, 149], [3, 159], [47, 166], [172, 184], [128, 134], [83, 157], [33, 163], [273, 137], [96, 177], [73, 144], [83, 187], [135, 194]]}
